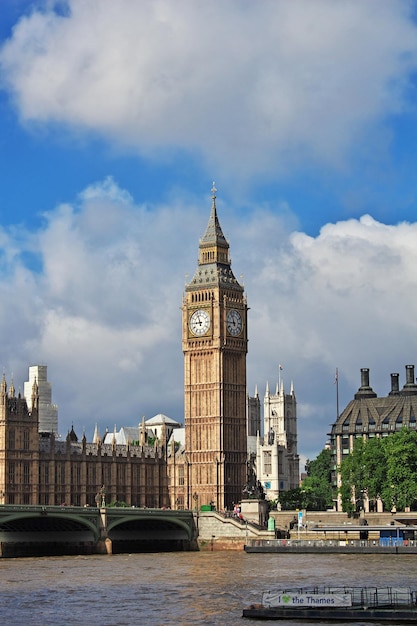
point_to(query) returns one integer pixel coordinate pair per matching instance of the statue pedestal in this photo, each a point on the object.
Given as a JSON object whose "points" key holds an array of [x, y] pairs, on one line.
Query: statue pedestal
{"points": [[255, 511]]}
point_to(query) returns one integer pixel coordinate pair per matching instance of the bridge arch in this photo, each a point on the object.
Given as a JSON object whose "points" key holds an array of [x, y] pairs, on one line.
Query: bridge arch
{"points": [[42, 521], [149, 529], [34, 531], [169, 523]]}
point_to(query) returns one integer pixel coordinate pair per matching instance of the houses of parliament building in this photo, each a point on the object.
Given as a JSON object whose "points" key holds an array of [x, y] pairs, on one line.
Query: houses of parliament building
{"points": [[209, 467]]}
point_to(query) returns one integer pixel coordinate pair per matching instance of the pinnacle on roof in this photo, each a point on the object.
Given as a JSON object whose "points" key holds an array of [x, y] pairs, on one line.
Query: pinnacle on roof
{"points": [[3, 385], [96, 436], [12, 391], [214, 233], [72, 437]]}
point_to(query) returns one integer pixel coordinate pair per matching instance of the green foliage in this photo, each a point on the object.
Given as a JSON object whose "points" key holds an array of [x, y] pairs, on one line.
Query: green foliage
{"points": [[317, 486], [400, 489], [118, 503], [315, 493], [352, 472], [374, 467], [272, 505], [291, 499], [383, 468]]}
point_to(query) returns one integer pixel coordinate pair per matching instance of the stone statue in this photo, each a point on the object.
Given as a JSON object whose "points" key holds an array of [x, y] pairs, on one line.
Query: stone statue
{"points": [[253, 489]]}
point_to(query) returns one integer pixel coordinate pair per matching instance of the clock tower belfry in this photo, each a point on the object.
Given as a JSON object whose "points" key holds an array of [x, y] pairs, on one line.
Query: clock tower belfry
{"points": [[214, 339]]}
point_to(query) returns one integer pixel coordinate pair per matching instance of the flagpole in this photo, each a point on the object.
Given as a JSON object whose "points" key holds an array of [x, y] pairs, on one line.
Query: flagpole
{"points": [[279, 378], [337, 392]]}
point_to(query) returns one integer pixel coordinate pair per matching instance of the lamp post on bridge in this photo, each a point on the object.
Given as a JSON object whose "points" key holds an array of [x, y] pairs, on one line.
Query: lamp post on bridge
{"points": [[101, 497], [195, 498]]}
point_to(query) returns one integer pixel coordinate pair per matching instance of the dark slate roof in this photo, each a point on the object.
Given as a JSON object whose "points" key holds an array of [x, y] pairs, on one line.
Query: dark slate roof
{"points": [[215, 274], [214, 233], [367, 413], [379, 415]]}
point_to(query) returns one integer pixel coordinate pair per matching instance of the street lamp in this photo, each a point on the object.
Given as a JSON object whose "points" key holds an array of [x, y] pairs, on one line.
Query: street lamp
{"points": [[195, 498]]}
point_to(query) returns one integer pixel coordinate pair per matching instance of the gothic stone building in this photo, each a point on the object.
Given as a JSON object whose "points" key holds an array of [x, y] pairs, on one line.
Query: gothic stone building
{"points": [[37, 468], [275, 456], [368, 415]]}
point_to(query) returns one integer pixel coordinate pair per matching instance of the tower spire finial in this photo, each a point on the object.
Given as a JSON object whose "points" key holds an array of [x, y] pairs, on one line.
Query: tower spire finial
{"points": [[213, 197]]}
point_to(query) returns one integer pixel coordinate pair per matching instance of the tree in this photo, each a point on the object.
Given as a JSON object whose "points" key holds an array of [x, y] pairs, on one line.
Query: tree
{"points": [[400, 490], [354, 476], [317, 486], [375, 467], [291, 499], [383, 468]]}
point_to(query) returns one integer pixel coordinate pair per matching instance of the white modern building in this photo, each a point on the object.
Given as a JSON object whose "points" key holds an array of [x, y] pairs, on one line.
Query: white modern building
{"points": [[48, 412]]}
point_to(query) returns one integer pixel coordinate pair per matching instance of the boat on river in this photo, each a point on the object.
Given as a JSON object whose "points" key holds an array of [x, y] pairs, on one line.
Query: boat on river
{"points": [[356, 604]]}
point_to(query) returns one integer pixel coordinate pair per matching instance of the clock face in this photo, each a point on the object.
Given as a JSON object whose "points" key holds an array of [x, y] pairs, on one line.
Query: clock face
{"points": [[199, 322], [234, 323]]}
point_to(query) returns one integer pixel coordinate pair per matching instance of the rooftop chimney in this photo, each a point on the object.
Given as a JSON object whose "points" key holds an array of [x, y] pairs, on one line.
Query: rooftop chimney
{"points": [[395, 385], [365, 391], [410, 386]]}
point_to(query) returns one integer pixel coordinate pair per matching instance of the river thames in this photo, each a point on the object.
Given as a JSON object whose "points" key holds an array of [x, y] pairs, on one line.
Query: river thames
{"points": [[186, 588]]}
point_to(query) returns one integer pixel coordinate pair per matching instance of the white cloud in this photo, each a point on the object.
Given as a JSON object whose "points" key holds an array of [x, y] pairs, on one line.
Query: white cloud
{"points": [[346, 299], [252, 87], [104, 312]]}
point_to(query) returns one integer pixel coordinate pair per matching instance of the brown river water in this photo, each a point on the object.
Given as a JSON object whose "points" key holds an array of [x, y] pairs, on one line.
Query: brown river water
{"points": [[184, 588]]}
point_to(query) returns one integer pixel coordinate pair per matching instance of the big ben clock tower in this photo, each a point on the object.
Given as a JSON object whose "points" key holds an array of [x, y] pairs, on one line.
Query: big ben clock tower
{"points": [[214, 339]]}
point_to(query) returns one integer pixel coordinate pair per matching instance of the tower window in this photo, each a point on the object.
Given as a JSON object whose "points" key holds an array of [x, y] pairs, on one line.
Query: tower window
{"points": [[181, 476], [11, 473], [267, 462], [26, 473], [11, 440]]}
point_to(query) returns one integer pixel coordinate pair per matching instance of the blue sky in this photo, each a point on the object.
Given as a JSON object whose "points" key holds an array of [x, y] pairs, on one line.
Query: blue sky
{"points": [[115, 119]]}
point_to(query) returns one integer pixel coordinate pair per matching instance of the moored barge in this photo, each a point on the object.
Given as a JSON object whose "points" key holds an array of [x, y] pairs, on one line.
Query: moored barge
{"points": [[356, 604]]}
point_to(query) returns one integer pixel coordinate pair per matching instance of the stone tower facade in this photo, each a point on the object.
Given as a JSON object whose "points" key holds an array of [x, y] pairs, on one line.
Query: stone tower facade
{"points": [[277, 460], [214, 338], [19, 446], [253, 414]]}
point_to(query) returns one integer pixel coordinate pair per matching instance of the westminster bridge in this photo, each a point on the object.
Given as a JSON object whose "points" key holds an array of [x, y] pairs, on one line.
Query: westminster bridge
{"points": [[27, 530]]}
